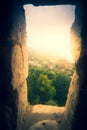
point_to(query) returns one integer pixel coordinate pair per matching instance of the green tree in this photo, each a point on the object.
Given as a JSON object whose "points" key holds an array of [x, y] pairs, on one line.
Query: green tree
{"points": [[61, 83], [46, 90], [46, 86], [40, 88], [33, 89]]}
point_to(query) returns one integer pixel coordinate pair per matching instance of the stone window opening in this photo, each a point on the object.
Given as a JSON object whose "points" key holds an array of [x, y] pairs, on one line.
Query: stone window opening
{"points": [[28, 24]]}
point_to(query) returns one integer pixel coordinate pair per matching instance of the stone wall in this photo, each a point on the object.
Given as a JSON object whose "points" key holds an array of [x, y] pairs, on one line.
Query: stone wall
{"points": [[76, 106], [13, 66]]}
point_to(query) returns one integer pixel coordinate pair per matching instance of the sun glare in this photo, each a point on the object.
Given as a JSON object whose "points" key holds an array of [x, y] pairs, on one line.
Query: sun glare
{"points": [[48, 29]]}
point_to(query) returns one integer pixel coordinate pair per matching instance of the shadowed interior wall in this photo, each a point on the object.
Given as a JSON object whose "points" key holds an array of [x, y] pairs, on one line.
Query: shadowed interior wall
{"points": [[13, 66], [76, 106]]}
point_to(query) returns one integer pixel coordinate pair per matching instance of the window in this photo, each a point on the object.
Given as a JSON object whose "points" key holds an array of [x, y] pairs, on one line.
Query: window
{"points": [[50, 60]]}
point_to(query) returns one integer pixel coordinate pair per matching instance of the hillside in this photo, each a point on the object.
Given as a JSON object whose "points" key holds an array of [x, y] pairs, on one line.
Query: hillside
{"points": [[46, 57]]}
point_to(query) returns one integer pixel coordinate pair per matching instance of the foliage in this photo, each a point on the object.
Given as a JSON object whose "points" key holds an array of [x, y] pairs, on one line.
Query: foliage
{"points": [[46, 90], [46, 86], [51, 102], [61, 83]]}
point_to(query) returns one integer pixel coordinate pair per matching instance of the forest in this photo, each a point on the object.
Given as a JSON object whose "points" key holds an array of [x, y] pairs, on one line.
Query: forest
{"points": [[48, 86]]}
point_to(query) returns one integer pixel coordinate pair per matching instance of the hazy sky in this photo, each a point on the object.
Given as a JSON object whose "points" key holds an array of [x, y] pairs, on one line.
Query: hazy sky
{"points": [[48, 29]]}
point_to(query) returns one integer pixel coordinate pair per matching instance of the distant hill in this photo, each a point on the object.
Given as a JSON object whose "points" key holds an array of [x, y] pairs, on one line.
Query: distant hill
{"points": [[46, 57]]}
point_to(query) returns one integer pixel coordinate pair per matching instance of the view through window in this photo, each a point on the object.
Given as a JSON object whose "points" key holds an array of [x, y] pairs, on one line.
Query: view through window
{"points": [[51, 65]]}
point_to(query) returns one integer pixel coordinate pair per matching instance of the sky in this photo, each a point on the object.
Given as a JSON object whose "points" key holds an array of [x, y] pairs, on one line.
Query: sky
{"points": [[48, 29]]}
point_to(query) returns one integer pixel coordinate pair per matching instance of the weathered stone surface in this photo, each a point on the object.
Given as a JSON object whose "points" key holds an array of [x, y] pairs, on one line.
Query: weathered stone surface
{"points": [[13, 67], [76, 105], [50, 2], [19, 65], [45, 125], [39, 112]]}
